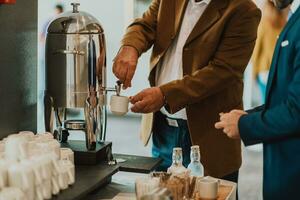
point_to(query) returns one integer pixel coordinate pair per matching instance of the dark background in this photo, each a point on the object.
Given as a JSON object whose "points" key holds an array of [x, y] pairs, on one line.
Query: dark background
{"points": [[18, 67]]}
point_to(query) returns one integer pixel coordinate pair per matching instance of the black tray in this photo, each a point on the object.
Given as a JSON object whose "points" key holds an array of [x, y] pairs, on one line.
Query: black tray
{"points": [[88, 179], [92, 177], [137, 164]]}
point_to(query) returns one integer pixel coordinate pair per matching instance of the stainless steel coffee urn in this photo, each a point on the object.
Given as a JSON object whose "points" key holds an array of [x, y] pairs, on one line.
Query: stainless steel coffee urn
{"points": [[76, 77]]}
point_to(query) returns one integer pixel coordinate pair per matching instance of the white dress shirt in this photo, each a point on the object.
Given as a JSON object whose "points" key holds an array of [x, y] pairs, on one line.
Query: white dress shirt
{"points": [[295, 6], [170, 68]]}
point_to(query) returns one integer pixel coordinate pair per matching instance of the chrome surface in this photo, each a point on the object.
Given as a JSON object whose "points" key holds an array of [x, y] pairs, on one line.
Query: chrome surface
{"points": [[67, 71], [76, 75], [116, 89], [75, 22], [74, 124]]}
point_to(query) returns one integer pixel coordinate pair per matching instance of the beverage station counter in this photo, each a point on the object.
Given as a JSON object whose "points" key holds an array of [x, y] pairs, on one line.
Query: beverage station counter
{"points": [[42, 168]]}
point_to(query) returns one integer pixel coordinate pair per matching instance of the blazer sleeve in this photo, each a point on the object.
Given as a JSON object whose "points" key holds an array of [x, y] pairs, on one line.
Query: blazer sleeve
{"points": [[226, 67], [279, 122], [141, 33], [257, 109]]}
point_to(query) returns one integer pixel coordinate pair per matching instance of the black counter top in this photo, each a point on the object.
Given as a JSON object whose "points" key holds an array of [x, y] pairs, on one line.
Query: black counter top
{"points": [[94, 181], [88, 178]]}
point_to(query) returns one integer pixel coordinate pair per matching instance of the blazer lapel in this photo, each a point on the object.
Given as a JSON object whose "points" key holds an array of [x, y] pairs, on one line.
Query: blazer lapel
{"points": [[273, 67], [180, 6], [211, 14]]}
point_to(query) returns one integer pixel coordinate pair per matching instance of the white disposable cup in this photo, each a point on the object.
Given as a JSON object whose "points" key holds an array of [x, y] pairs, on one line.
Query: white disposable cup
{"points": [[119, 105], [208, 187]]}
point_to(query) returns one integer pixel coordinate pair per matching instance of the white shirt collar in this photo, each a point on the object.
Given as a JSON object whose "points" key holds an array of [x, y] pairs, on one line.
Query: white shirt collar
{"points": [[295, 6], [201, 2]]}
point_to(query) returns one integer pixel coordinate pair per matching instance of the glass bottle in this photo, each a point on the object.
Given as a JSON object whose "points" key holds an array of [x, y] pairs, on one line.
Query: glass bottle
{"points": [[195, 166], [177, 167]]}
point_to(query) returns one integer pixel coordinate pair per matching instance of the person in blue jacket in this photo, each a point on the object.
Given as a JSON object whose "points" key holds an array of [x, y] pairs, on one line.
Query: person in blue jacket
{"points": [[276, 124]]}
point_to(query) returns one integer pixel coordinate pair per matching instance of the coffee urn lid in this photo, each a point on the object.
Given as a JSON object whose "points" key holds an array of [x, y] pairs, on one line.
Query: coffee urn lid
{"points": [[75, 22]]}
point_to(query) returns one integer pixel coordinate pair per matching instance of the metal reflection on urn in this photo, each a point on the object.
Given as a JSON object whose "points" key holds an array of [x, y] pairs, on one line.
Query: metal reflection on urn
{"points": [[76, 91]]}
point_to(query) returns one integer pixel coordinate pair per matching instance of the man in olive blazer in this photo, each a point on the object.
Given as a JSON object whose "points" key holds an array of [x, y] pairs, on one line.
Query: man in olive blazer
{"points": [[214, 58]]}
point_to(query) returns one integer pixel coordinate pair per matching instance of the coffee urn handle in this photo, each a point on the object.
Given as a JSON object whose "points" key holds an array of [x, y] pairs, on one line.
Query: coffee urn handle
{"points": [[92, 64]]}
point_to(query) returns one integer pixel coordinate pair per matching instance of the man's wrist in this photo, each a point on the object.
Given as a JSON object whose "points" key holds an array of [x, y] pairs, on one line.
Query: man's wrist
{"points": [[164, 97], [130, 47]]}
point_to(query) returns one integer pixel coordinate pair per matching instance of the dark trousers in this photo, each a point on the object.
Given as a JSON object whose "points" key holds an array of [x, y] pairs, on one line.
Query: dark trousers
{"points": [[166, 137]]}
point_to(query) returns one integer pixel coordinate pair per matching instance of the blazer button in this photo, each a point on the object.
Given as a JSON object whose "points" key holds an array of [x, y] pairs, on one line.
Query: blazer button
{"points": [[186, 49]]}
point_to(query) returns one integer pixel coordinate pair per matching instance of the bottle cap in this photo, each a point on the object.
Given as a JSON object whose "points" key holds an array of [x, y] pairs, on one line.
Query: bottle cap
{"points": [[176, 149], [196, 147]]}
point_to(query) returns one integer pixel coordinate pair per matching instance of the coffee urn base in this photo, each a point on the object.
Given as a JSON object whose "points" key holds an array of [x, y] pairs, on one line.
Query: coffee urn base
{"points": [[82, 156]]}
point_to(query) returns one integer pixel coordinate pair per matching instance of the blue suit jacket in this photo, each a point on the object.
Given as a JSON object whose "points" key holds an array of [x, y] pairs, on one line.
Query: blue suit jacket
{"points": [[277, 123]]}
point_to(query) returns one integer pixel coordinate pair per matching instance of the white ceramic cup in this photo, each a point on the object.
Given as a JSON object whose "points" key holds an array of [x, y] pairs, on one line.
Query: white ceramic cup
{"points": [[45, 135], [55, 184], [16, 147], [49, 146], [208, 187], [119, 105], [3, 174], [3, 177], [54, 172], [55, 147], [63, 178], [28, 134], [44, 165], [67, 154], [38, 178], [39, 154], [49, 173], [67, 164], [2, 146], [22, 176], [12, 193], [47, 189]]}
